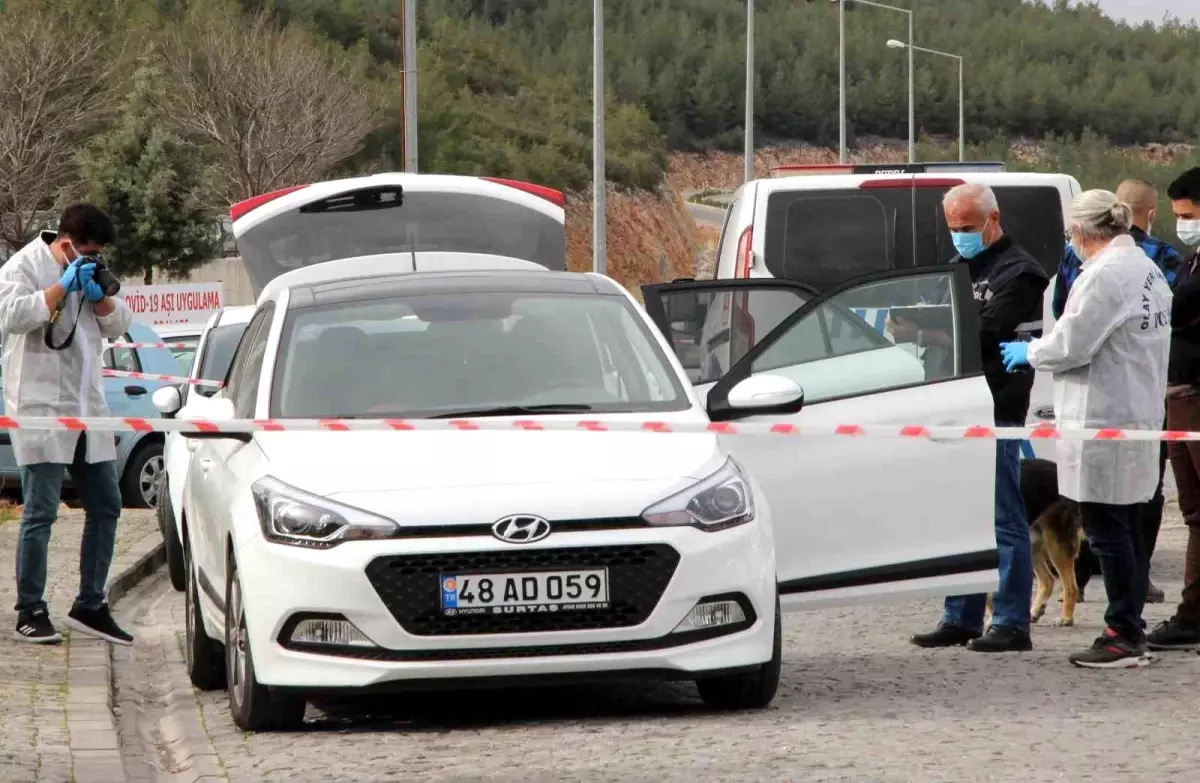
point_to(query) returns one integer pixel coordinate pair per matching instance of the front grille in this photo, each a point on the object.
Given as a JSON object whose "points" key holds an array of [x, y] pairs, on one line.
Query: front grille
{"points": [[410, 587]]}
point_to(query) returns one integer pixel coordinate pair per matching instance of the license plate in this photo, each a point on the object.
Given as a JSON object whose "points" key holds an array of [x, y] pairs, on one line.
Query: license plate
{"points": [[525, 593]]}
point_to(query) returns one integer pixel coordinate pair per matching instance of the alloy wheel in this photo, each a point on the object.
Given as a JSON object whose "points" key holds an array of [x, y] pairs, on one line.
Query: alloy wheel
{"points": [[238, 663], [150, 480]]}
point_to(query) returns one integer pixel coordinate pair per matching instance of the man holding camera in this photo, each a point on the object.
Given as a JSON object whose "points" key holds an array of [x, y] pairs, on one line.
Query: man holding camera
{"points": [[57, 306]]}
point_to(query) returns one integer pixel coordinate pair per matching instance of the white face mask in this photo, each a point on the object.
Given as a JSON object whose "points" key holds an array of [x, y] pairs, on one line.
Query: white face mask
{"points": [[1188, 231]]}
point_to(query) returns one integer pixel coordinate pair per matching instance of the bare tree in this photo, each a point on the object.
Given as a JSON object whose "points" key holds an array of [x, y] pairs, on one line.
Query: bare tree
{"points": [[272, 107], [55, 77]]}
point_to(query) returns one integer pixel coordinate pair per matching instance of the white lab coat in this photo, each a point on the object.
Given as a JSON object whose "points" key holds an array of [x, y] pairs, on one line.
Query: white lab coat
{"points": [[1108, 354], [42, 382]]}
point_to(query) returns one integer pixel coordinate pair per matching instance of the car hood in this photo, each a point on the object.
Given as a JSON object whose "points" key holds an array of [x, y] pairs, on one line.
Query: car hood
{"points": [[329, 463]]}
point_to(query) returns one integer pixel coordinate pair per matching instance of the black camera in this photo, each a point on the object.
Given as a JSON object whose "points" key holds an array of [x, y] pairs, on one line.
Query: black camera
{"points": [[107, 281]]}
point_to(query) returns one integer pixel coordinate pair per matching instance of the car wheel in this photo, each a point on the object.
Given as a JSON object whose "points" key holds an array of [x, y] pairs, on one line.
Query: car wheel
{"points": [[254, 706], [141, 485], [204, 656], [176, 568], [750, 690]]}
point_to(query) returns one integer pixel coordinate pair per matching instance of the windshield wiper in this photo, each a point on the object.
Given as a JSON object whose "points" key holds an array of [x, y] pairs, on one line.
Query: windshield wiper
{"points": [[514, 410]]}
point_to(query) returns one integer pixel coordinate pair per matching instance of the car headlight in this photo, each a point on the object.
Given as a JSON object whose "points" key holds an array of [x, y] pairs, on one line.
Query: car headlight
{"points": [[298, 518], [721, 501]]}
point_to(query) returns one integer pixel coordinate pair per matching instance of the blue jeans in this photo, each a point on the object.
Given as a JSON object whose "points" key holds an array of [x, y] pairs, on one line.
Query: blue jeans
{"points": [[1010, 603], [100, 494]]}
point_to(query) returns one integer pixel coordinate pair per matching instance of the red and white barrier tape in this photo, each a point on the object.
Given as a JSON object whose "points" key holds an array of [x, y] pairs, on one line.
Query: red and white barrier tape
{"points": [[143, 376], [168, 346], [557, 424]]}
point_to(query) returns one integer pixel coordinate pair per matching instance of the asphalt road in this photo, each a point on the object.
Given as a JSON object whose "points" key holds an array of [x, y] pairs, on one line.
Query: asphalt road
{"points": [[857, 703]]}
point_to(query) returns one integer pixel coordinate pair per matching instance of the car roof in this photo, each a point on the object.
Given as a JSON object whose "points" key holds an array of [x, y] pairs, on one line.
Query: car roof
{"points": [[536, 281], [391, 264], [239, 314], [855, 181], [179, 330]]}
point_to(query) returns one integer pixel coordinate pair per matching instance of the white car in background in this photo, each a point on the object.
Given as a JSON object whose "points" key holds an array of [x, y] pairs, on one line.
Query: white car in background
{"points": [[210, 360], [183, 340], [351, 561]]}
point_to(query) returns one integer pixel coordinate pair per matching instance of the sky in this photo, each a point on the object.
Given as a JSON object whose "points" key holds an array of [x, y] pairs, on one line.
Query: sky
{"points": [[1136, 11]]}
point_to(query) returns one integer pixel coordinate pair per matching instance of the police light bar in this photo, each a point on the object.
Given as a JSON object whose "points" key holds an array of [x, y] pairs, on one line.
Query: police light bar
{"points": [[886, 168]]}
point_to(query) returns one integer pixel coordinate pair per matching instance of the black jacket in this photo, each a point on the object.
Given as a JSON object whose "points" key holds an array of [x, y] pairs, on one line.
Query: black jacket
{"points": [[1184, 366], [1008, 283]]}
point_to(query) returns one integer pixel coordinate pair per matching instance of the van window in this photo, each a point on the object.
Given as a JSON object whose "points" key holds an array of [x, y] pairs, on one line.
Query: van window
{"points": [[825, 237]]}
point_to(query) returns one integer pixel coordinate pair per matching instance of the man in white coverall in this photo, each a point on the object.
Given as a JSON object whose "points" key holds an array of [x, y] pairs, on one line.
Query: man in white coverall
{"points": [[1108, 354], [54, 317]]}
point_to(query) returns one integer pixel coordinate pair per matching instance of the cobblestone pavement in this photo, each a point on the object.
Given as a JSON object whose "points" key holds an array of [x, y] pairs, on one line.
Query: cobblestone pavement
{"points": [[857, 703], [51, 720]]}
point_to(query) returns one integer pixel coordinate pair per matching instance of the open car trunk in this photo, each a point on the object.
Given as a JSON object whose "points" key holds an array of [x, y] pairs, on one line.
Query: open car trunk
{"points": [[398, 213]]}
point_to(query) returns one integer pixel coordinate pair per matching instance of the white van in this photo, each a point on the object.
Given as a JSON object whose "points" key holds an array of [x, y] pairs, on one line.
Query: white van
{"points": [[821, 226]]}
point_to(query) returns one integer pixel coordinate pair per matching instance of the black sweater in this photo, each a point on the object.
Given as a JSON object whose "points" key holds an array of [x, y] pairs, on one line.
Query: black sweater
{"points": [[1008, 283], [1184, 367]]}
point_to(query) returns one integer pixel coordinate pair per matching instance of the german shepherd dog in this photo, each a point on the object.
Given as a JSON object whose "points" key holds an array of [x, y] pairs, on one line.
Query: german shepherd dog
{"points": [[1056, 529]]}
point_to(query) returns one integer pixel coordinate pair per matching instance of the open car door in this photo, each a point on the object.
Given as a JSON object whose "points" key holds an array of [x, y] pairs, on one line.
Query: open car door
{"points": [[856, 518]]}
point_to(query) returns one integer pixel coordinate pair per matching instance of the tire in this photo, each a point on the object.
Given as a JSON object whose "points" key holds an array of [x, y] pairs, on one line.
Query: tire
{"points": [[141, 486], [176, 568], [752, 690], [254, 706], [203, 655]]}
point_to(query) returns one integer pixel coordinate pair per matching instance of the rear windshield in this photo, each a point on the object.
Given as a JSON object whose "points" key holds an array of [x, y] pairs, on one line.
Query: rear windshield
{"points": [[423, 221], [825, 237]]}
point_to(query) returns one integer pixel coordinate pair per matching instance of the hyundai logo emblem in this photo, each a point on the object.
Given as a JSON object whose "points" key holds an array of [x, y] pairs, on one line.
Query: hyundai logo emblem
{"points": [[521, 529]]}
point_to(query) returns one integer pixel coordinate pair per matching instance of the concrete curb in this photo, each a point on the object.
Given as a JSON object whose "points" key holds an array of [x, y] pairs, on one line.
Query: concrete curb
{"points": [[91, 721]]}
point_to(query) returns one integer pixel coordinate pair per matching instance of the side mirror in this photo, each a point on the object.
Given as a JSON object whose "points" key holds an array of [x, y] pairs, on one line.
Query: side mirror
{"points": [[215, 409], [167, 401], [766, 394]]}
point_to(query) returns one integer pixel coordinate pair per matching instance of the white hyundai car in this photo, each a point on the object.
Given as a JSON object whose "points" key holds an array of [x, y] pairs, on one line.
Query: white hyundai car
{"points": [[210, 360], [333, 561]]}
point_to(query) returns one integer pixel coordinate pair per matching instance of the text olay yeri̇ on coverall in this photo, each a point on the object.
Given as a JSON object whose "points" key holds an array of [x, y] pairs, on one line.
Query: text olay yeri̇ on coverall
{"points": [[1108, 354]]}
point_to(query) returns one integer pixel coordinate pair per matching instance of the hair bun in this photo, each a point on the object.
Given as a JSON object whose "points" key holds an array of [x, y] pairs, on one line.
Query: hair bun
{"points": [[1122, 215]]}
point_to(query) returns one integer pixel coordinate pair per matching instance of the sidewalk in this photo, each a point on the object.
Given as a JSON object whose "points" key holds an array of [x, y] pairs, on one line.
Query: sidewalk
{"points": [[58, 725]]}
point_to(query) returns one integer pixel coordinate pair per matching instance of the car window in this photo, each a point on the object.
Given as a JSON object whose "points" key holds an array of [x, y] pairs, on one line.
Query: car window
{"points": [[379, 221], [712, 329], [825, 237], [244, 375], [833, 351], [123, 359], [432, 355]]}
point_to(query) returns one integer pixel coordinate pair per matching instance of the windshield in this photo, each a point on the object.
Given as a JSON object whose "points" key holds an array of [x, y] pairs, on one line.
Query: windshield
{"points": [[184, 350], [471, 353], [218, 353], [419, 221]]}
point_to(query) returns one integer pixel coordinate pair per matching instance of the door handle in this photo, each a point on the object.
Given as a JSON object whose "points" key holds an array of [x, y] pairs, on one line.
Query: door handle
{"points": [[1045, 413], [135, 391]]}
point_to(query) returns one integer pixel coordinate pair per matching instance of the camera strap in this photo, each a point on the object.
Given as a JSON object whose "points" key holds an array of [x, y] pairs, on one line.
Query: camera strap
{"points": [[49, 339]]}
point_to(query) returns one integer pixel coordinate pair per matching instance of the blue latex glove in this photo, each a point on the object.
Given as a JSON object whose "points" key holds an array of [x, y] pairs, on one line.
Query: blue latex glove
{"points": [[1015, 355], [71, 279], [93, 291]]}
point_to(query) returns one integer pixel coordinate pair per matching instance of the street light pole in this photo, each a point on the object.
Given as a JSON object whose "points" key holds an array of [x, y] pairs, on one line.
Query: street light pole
{"points": [[841, 81], [749, 140], [599, 226], [962, 127], [408, 83]]}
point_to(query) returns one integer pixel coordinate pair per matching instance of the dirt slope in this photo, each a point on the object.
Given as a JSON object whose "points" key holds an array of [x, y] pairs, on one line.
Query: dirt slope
{"points": [[651, 238]]}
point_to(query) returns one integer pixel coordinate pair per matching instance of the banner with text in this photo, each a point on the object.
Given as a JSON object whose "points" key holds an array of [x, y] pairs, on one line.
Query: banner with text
{"points": [[173, 303]]}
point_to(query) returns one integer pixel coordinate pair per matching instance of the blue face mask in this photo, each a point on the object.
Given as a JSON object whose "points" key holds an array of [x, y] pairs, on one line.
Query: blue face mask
{"points": [[968, 245]]}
